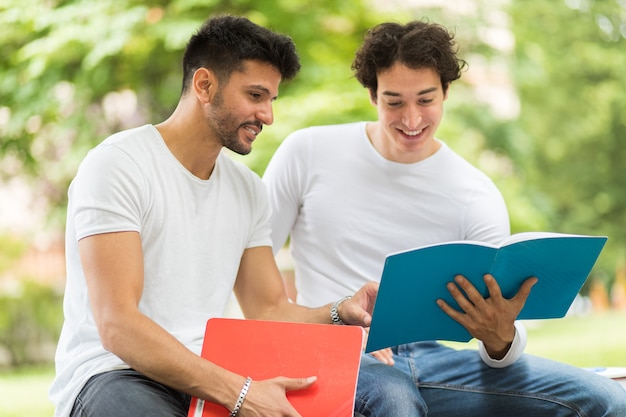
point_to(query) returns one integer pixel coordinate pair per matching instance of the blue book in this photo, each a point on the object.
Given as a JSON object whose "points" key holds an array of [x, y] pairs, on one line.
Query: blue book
{"points": [[412, 281]]}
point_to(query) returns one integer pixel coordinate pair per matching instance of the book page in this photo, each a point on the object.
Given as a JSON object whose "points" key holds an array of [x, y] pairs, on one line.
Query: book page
{"points": [[450, 243], [525, 236]]}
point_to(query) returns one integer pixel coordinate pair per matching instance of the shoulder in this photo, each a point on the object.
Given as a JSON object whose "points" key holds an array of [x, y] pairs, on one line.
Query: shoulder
{"points": [[459, 170], [451, 160], [324, 138], [135, 143], [325, 133], [122, 157]]}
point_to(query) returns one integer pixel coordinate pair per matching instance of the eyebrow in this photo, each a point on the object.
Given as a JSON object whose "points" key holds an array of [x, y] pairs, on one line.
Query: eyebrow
{"points": [[394, 94], [264, 89]]}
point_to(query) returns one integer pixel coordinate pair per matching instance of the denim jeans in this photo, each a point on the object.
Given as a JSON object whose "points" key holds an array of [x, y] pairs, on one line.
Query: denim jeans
{"points": [[429, 379], [127, 393]]}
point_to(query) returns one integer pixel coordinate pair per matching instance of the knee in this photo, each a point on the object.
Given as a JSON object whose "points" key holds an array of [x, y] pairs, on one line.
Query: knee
{"points": [[600, 396], [385, 391], [397, 388], [616, 401], [384, 381]]}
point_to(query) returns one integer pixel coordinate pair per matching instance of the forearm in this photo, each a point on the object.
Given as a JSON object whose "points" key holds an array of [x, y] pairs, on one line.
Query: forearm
{"points": [[288, 311], [354, 310], [149, 349]]}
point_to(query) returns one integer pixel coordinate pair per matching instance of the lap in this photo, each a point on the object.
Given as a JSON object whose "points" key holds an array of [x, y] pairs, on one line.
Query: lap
{"points": [[446, 378], [126, 392]]}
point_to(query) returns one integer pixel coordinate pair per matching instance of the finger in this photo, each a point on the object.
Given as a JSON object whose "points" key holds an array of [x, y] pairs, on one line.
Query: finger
{"points": [[384, 355], [366, 320], [296, 384], [355, 310], [454, 314], [471, 292], [492, 286], [461, 299], [524, 291]]}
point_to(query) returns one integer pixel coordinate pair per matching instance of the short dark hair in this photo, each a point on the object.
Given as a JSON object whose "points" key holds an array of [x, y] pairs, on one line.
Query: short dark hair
{"points": [[417, 44], [223, 43]]}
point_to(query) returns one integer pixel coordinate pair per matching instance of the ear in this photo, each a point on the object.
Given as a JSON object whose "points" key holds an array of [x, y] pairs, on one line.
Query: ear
{"points": [[204, 84]]}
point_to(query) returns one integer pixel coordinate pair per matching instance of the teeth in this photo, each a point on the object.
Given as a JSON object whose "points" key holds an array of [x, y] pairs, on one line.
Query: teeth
{"points": [[255, 133], [412, 132]]}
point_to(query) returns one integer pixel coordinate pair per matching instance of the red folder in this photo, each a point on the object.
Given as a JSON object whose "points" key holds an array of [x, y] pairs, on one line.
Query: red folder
{"points": [[266, 349]]}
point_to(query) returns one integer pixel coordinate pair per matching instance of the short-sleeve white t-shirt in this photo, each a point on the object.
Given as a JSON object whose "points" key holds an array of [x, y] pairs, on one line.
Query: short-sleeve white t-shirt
{"points": [[193, 235]]}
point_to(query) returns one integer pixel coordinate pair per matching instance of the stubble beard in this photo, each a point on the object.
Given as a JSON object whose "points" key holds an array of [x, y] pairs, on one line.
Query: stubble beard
{"points": [[226, 128]]}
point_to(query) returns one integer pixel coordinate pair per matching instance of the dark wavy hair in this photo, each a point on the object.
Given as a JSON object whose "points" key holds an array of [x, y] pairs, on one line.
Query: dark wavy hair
{"points": [[417, 44], [223, 43]]}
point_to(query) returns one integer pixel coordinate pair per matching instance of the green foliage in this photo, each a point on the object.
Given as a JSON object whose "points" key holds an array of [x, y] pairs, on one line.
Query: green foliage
{"points": [[29, 319], [570, 76], [74, 72], [11, 249]]}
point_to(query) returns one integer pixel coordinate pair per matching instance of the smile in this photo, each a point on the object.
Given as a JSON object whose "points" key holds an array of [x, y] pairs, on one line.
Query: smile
{"points": [[412, 132], [253, 131]]}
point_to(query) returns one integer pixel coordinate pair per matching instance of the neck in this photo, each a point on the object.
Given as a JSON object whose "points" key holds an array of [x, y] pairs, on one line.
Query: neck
{"points": [[392, 151], [186, 136]]}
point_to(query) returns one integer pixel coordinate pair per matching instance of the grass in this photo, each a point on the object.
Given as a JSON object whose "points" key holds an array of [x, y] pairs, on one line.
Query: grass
{"points": [[587, 341], [24, 392], [597, 340]]}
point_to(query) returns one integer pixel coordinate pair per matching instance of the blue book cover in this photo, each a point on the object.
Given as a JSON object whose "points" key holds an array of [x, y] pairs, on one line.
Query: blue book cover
{"points": [[412, 281]]}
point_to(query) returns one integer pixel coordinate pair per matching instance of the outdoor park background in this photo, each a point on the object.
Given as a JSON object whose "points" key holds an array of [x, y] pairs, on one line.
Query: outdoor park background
{"points": [[541, 109]]}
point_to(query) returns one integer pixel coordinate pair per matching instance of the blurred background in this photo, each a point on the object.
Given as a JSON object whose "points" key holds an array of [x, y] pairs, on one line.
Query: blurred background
{"points": [[541, 109]]}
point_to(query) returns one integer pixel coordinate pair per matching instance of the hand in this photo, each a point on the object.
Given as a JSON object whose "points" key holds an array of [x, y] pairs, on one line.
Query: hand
{"points": [[385, 356], [268, 398], [358, 309], [490, 319]]}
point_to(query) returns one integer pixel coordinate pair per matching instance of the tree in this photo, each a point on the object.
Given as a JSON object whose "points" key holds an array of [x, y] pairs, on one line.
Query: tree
{"points": [[76, 71], [570, 76], [73, 72]]}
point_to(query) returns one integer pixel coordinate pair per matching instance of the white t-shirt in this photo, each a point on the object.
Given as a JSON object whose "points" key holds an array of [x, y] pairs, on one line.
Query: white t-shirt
{"points": [[193, 235], [346, 207]]}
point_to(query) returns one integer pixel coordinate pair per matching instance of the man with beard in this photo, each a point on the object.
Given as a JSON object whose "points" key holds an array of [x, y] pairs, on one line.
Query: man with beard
{"points": [[162, 227]]}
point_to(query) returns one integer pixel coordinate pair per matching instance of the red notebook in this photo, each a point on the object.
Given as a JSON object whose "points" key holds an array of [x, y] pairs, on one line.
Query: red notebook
{"points": [[266, 349]]}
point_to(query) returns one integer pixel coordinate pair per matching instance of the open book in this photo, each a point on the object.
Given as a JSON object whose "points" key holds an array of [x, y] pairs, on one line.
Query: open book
{"points": [[412, 281], [266, 349]]}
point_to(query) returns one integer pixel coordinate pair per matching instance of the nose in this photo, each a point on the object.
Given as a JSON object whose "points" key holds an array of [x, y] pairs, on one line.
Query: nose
{"points": [[412, 117], [265, 114]]}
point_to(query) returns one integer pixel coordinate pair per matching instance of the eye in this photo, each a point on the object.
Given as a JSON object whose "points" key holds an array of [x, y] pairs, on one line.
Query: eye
{"points": [[426, 100], [394, 103]]}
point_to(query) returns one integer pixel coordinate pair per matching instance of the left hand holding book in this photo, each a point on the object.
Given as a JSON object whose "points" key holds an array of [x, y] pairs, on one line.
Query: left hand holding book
{"points": [[282, 355]]}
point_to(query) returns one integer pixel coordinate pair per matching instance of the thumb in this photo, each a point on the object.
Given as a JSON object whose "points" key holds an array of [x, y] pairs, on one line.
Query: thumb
{"points": [[296, 384]]}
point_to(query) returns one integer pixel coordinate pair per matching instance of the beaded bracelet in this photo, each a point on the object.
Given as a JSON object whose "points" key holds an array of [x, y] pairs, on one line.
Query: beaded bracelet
{"points": [[242, 396]]}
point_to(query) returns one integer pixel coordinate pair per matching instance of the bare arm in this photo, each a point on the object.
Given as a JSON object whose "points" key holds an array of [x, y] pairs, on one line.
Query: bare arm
{"points": [[113, 265], [261, 294]]}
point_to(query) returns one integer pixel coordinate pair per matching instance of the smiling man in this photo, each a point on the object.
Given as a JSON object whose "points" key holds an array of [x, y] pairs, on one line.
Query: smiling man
{"points": [[162, 226], [348, 195]]}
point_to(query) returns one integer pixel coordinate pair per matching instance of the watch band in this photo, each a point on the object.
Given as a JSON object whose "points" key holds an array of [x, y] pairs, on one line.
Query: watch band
{"points": [[334, 310]]}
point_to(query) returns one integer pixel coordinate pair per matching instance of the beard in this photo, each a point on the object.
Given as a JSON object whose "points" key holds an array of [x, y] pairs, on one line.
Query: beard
{"points": [[225, 126]]}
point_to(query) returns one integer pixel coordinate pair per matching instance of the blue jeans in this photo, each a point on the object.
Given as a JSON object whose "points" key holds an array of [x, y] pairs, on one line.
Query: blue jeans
{"points": [[429, 379], [127, 393]]}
